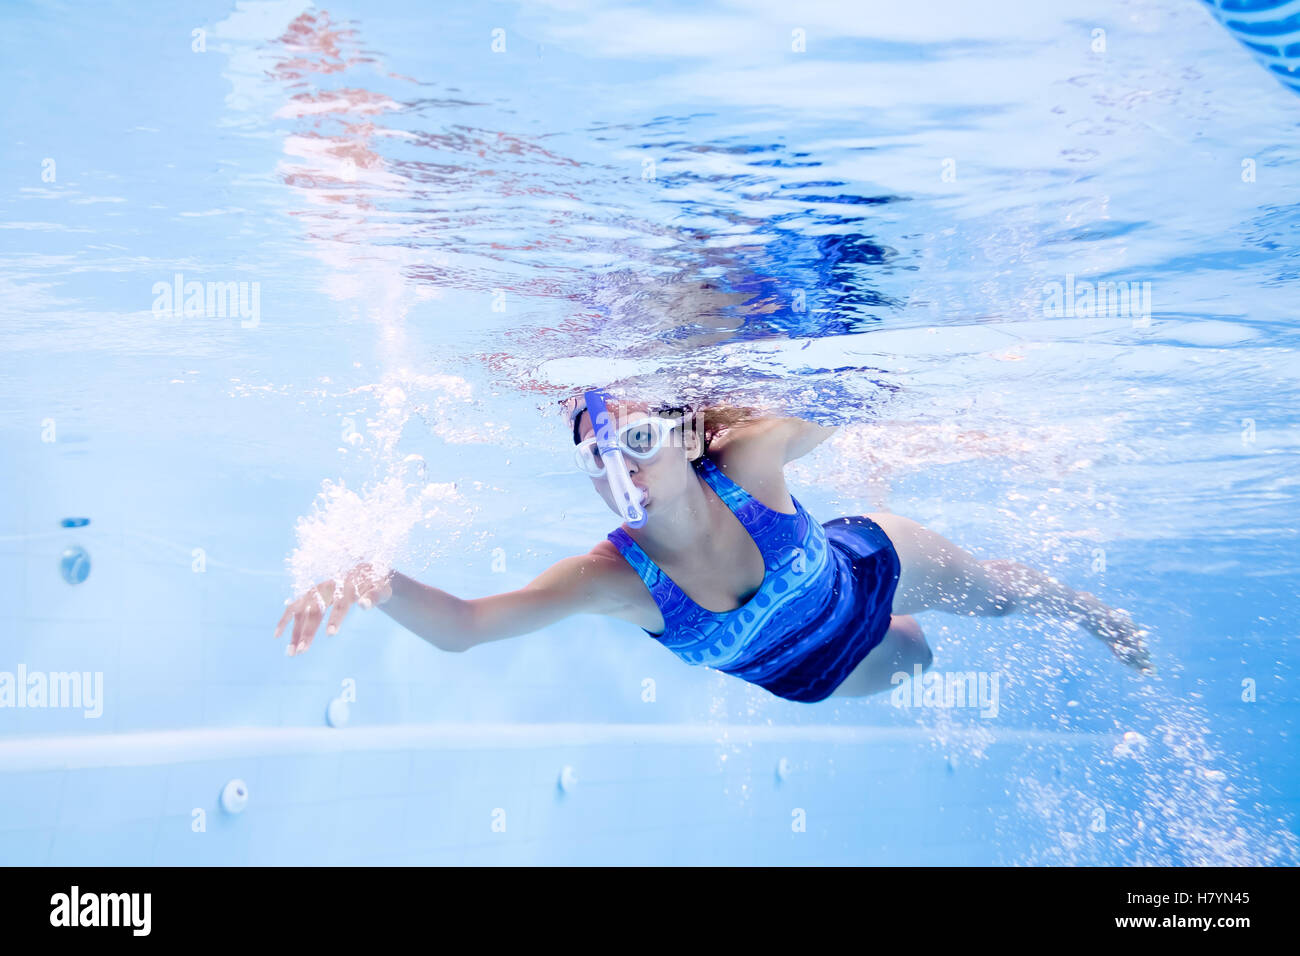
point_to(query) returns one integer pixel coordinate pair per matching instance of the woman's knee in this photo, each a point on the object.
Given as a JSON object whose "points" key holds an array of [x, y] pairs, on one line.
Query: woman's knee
{"points": [[997, 587]]}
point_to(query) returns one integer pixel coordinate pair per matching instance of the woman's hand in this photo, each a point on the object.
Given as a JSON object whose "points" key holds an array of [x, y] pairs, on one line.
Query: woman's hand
{"points": [[360, 586]]}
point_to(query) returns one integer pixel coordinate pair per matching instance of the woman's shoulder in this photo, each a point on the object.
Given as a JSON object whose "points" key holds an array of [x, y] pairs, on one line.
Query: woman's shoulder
{"points": [[630, 600], [609, 569]]}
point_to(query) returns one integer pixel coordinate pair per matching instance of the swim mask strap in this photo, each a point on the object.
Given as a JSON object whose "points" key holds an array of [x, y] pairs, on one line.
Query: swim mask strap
{"points": [[625, 493]]}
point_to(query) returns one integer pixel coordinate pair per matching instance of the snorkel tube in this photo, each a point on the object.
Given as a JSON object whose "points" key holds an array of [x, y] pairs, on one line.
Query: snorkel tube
{"points": [[625, 493]]}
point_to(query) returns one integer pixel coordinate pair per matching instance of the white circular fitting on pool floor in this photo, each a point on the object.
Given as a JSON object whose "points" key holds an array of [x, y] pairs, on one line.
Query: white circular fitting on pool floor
{"points": [[568, 779], [235, 796], [74, 564], [337, 713]]}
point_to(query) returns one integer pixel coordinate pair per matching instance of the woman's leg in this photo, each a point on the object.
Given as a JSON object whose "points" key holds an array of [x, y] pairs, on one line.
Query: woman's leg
{"points": [[901, 649], [937, 574]]}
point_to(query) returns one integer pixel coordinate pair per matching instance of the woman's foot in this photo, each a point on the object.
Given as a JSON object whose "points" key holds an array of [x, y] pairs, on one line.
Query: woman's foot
{"points": [[1115, 626]]}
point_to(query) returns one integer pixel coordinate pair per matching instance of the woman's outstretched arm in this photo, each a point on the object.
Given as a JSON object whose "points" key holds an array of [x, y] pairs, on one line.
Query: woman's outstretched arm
{"points": [[583, 584]]}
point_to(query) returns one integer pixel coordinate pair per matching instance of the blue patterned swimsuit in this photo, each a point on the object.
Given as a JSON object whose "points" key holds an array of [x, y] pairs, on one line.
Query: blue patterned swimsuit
{"points": [[824, 603]]}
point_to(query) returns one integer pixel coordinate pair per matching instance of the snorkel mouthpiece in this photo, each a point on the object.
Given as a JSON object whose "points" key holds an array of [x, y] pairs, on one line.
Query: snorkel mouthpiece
{"points": [[625, 493]]}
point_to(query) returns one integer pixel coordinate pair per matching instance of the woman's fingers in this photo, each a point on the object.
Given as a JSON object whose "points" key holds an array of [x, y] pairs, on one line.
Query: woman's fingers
{"points": [[314, 601], [343, 600], [307, 613], [314, 617], [288, 613], [298, 620], [310, 623]]}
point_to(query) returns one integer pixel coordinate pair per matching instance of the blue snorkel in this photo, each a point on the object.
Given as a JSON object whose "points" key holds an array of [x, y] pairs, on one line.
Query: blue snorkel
{"points": [[626, 494]]}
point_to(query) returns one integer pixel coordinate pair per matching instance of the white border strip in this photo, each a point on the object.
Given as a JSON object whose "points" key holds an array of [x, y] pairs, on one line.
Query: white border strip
{"points": [[78, 751]]}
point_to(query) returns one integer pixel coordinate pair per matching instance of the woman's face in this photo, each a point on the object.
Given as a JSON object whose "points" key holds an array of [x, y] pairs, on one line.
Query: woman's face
{"points": [[664, 477]]}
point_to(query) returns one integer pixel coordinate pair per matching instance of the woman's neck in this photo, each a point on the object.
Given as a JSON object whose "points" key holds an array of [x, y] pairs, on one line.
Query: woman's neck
{"points": [[686, 528]]}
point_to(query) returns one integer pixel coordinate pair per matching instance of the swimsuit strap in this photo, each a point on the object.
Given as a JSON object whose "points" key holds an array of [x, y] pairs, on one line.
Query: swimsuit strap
{"points": [[747, 509], [668, 597], [734, 496], [646, 569]]}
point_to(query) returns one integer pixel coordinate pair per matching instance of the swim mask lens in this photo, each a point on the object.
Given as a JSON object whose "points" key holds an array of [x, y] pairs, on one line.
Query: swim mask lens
{"points": [[640, 439]]}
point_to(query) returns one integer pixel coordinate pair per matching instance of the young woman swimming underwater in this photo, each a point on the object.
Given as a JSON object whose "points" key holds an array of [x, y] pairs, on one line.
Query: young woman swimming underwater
{"points": [[719, 563]]}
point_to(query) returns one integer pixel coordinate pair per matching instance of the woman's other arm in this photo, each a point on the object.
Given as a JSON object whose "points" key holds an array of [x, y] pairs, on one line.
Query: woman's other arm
{"points": [[784, 438]]}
